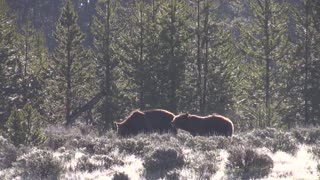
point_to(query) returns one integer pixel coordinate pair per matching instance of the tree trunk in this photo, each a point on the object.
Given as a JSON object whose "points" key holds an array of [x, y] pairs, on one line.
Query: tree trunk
{"points": [[267, 61], [307, 59], [141, 64], [172, 63], [88, 106], [205, 61], [106, 91], [68, 91], [199, 64]]}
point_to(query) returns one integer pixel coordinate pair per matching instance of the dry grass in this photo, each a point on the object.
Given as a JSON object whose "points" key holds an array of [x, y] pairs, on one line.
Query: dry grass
{"points": [[72, 154]]}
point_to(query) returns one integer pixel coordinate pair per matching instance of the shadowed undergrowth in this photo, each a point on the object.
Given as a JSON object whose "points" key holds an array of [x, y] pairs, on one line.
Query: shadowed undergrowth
{"points": [[70, 154]]}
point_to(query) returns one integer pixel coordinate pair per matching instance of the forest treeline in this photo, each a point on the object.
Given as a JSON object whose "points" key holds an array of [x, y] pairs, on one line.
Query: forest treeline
{"points": [[254, 61]]}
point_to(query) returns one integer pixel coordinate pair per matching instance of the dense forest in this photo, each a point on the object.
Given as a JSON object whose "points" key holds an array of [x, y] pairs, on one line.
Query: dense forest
{"points": [[63, 61], [69, 69]]}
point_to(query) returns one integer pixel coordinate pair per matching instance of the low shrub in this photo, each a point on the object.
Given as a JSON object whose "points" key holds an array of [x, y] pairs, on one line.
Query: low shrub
{"points": [[87, 144], [299, 134], [120, 176], [207, 143], [172, 175], [246, 163], [265, 133], [107, 161], [316, 151], [131, 146], [104, 145], [273, 139], [39, 164], [283, 142], [54, 142], [87, 163], [313, 136], [84, 164], [204, 164], [65, 155], [318, 168], [8, 153], [161, 160]]}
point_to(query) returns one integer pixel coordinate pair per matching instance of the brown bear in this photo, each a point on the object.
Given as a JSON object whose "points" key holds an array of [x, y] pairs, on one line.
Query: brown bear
{"points": [[207, 125], [155, 120]]}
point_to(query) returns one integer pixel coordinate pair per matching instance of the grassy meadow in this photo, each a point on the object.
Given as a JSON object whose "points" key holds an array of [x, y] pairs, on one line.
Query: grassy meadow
{"points": [[80, 153]]}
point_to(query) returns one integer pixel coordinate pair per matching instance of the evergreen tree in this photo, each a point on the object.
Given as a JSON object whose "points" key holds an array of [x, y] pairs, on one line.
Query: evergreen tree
{"points": [[8, 50], [211, 75], [305, 39], [153, 55], [24, 126], [34, 65], [72, 66], [315, 62], [173, 40], [139, 44], [265, 42], [302, 17], [104, 30], [137, 39]]}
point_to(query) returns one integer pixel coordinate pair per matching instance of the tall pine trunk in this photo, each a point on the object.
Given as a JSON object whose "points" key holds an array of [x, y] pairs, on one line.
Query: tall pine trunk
{"points": [[205, 61], [267, 60], [307, 59], [107, 73], [142, 69], [172, 63], [199, 63], [68, 90]]}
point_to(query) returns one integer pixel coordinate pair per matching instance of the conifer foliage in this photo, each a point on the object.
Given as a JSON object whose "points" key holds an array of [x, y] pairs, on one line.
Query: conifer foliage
{"points": [[24, 126], [72, 64], [255, 61]]}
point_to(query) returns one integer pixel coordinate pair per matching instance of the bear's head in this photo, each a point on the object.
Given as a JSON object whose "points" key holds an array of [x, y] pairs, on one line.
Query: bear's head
{"points": [[122, 128], [179, 120], [125, 127]]}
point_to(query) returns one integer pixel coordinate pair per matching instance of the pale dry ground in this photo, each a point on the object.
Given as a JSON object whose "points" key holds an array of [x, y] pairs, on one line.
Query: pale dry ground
{"points": [[302, 166], [111, 156]]}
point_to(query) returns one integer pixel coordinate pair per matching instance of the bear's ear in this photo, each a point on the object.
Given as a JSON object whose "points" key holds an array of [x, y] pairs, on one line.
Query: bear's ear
{"points": [[185, 115], [137, 113]]}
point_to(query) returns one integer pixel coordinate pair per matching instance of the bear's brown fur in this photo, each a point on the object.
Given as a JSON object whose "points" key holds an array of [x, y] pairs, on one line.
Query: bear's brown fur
{"points": [[155, 120], [204, 125]]}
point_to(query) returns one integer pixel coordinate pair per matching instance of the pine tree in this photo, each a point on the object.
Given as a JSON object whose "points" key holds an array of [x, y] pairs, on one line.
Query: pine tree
{"points": [[139, 45], [34, 65], [8, 50], [72, 65], [24, 126], [304, 37], [302, 17], [315, 62], [104, 29], [265, 42], [137, 42], [173, 40]]}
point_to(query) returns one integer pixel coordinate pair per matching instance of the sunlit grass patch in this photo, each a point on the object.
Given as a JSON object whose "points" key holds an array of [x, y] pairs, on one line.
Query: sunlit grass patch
{"points": [[273, 139], [96, 162], [299, 166], [265, 153]]}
